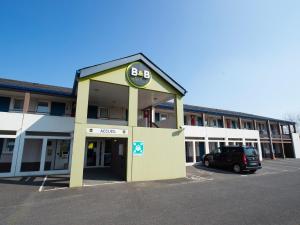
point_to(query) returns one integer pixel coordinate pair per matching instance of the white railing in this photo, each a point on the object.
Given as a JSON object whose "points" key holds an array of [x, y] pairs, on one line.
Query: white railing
{"points": [[195, 131], [34, 122]]}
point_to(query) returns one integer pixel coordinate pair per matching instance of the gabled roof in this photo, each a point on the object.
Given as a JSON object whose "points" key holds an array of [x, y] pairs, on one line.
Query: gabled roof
{"points": [[221, 112], [87, 71], [17, 85]]}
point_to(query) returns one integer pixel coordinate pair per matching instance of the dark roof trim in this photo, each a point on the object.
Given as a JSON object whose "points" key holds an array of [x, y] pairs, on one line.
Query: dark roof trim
{"points": [[36, 90], [219, 112], [126, 60]]}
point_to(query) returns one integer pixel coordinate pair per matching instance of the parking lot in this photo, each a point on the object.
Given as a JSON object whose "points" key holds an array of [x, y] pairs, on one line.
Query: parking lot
{"points": [[206, 196]]}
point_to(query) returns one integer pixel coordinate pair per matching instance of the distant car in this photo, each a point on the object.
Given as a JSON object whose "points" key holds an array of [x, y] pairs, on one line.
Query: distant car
{"points": [[237, 158]]}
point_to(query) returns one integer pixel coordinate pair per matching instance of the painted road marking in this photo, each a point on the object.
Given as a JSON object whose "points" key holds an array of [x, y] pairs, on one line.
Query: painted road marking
{"points": [[56, 189], [41, 187], [113, 182]]}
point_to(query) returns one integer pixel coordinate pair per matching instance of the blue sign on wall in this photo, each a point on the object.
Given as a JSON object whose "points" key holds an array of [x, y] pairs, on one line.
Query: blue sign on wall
{"points": [[138, 148]]}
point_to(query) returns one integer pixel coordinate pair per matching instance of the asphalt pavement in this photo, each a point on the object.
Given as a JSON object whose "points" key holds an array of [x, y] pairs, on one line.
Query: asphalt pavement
{"points": [[205, 196]]}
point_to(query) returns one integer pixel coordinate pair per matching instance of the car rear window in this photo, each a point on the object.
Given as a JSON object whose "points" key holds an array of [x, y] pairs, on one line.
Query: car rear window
{"points": [[250, 151]]}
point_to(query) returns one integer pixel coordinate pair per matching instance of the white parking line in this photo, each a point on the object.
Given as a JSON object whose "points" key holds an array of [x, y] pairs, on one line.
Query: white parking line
{"points": [[56, 189], [41, 187], [113, 182]]}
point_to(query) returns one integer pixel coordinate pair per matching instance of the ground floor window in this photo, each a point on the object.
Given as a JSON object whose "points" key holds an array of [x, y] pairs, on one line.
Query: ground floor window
{"points": [[42, 154], [200, 150], [266, 151], [189, 153], [32, 152], [57, 154], [278, 150], [6, 154], [213, 146]]}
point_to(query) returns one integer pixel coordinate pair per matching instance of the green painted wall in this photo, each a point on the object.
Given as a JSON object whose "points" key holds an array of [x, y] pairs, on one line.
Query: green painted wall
{"points": [[164, 156], [164, 148]]}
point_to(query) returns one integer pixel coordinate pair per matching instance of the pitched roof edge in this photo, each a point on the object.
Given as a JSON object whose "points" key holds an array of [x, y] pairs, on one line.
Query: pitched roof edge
{"points": [[122, 61], [225, 112]]}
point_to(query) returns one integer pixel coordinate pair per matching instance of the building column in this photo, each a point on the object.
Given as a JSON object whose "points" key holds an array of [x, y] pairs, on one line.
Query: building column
{"points": [[255, 125], [224, 122], [240, 123], [132, 122], [226, 141], [204, 119], [26, 102], [206, 145], [271, 141], [281, 139], [179, 111], [194, 152], [77, 164]]}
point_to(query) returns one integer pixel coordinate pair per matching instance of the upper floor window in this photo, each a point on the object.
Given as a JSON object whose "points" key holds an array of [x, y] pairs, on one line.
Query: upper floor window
{"points": [[4, 104], [193, 120], [58, 109], [42, 107], [234, 124], [103, 113], [18, 104]]}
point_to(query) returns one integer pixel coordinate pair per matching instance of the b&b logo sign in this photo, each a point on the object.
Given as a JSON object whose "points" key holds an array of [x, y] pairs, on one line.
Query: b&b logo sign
{"points": [[138, 74]]}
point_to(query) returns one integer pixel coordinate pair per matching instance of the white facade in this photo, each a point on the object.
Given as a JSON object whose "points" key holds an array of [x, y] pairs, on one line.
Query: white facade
{"points": [[216, 136], [296, 144], [22, 127]]}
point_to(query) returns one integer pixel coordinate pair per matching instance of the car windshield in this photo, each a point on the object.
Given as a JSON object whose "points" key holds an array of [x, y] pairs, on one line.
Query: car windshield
{"points": [[250, 151]]}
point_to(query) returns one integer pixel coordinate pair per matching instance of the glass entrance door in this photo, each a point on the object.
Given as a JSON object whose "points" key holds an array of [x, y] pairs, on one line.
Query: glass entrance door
{"points": [[94, 154]]}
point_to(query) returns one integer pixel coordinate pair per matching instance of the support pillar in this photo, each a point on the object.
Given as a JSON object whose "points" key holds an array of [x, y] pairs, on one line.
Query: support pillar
{"points": [[26, 102], [240, 123], [271, 140], [281, 140], [76, 175]]}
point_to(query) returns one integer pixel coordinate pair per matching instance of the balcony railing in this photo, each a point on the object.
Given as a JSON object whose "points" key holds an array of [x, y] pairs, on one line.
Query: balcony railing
{"points": [[286, 136]]}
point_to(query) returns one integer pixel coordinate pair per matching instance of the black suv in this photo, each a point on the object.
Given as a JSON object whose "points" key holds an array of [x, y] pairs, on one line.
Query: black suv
{"points": [[238, 158]]}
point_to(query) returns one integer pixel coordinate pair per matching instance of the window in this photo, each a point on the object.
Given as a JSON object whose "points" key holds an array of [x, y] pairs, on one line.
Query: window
{"points": [[185, 120], [189, 153], [4, 104], [32, 152], [8, 147], [193, 120], [42, 107], [163, 117], [157, 117], [103, 113], [57, 154], [6, 154], [200, 121], [213, 146], [58, 109], [18, 105], [234, 124]]}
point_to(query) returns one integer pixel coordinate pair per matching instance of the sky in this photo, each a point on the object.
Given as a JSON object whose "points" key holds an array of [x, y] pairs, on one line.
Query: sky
{"points": [[237, 55]]}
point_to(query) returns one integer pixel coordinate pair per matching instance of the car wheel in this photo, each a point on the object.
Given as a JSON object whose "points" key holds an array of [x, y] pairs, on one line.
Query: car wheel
{"points": [[252, 171], [206, 163], [237, 168]]}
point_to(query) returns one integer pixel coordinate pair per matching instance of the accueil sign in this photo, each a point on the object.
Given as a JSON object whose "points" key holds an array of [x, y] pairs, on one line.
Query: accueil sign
{"points": [[107, 131], [138, 74]]}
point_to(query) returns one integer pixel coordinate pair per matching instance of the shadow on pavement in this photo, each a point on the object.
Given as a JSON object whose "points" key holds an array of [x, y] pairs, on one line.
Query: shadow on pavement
{"points": [[216, 170]]}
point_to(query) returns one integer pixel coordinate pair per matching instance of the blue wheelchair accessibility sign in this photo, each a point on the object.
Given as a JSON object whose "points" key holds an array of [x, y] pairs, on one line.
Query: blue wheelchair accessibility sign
{"points": [[138, 148]]}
